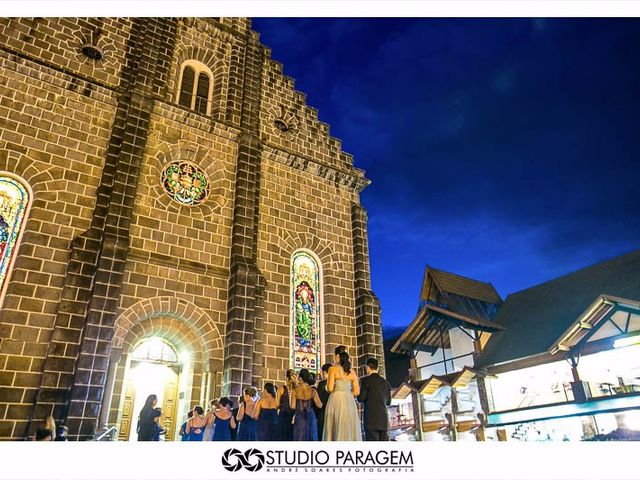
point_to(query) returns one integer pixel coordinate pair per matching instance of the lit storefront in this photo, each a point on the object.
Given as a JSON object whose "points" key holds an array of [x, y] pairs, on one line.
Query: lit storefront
{"points": [[567, 367], [556, 362]]}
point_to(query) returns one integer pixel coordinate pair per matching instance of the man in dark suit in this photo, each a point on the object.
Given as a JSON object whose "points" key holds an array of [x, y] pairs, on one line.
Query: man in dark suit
{"points": [[375, 395], [324, 397]]}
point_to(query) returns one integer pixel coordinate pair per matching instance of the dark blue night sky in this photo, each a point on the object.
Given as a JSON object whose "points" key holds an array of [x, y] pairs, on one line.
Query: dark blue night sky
{"points": [[503, 150]]}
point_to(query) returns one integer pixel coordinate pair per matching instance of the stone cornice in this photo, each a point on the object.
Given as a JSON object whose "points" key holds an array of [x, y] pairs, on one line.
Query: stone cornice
{"points": [[353, 180], [211, 28], [161, 260]]}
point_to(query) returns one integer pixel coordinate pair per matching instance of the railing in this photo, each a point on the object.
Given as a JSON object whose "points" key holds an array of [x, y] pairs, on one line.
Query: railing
{"points": [[108, 435]]}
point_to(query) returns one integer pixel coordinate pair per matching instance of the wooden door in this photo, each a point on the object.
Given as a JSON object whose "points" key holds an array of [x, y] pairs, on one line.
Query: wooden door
{"points": [[170, 404], [127, 411]]}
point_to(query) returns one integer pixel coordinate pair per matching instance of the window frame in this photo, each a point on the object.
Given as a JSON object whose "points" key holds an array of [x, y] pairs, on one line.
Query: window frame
{"points": [[27, 210], [148, 359], [321, 307], [198, 68]]}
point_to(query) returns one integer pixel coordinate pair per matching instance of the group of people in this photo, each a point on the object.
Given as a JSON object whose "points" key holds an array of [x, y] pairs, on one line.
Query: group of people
{"points": [[299, 410]]}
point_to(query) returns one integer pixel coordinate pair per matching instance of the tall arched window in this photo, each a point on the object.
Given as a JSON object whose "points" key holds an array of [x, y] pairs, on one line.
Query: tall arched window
{"points": [[14, 205], [306, 294], [195, 87]]}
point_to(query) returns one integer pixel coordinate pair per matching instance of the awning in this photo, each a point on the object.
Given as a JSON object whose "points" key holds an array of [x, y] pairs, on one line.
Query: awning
{"points": [[432, 384], [425, 331], [589, 319], [434, 426], [457, 379], [402, 392], [564, 410], [405, 389]]}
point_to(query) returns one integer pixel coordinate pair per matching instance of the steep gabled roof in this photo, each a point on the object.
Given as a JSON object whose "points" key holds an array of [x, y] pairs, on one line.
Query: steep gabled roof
{"points": [[536, 317], [459, 285]]}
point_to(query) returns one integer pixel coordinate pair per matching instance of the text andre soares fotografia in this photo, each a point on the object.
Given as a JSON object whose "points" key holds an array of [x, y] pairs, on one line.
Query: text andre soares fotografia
{"points": [[255, 459]]}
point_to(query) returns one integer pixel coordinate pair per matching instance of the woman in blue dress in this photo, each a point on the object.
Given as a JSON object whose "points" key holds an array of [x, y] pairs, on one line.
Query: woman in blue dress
{"points": [[267, 414], [223, 421], [303, 397], [285, 413], [246, 412], [183, 429], [196, 425]]}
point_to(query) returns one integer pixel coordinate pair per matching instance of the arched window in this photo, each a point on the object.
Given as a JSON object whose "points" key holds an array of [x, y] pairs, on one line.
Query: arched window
{"points": [[15, 201], [196, 87], [306, 294], [155, 349]]}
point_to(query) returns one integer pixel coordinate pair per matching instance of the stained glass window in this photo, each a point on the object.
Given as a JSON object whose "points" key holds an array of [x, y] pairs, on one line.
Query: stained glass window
{"points": [[14, 201], [305, 312], [185, 182], [155, 349]]}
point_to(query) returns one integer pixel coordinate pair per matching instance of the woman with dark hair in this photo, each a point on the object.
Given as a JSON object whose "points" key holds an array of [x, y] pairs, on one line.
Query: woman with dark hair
{"points": [[146, 423], [341, 420], [267, 414], [285, 413], [157, 428], [223, 421], [234, 411], [196, 425], [246, 416], [305, 424], [183, 429]]}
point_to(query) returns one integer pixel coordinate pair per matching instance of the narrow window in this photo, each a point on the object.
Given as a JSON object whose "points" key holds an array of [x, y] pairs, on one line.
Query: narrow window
{"points": [[186, 88], [305, 312], [14, 203], [195, 87], [202, 93]]}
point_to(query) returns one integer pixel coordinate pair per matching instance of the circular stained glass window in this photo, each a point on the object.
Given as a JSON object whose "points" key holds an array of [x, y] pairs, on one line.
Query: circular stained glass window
{"points": [[185, 183]]}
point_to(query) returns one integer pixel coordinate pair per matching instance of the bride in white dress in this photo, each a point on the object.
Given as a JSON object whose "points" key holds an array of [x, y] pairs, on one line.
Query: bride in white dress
{"points": [[341, 419]]}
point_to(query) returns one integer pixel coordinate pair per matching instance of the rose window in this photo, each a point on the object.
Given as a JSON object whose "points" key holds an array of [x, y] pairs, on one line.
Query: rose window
{"points": [[185, 183]]}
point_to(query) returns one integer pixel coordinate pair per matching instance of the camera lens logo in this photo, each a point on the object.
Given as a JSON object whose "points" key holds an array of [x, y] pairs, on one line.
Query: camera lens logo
{"points": [[233, 460]]}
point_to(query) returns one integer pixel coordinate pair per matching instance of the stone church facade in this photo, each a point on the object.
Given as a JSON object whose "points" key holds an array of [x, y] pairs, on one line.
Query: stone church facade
{"points": [[170, 176]]}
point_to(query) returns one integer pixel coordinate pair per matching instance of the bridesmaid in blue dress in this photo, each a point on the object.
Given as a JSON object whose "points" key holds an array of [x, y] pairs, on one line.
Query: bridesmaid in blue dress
{"points": [[303, 397], [223, 422], [183, 429], [196, 425], [267, 414], [285, 413], [246, 412]]}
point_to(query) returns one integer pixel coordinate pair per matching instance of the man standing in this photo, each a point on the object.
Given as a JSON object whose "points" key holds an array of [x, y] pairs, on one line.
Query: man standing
{"points": [[375, 395], [324, 396]]}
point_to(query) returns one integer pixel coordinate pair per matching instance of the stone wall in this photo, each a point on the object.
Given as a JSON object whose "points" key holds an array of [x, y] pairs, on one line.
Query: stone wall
{"points": [[107, 258]]}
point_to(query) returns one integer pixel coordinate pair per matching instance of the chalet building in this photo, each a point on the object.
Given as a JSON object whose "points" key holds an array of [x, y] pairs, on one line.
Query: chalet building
{"points": [[456, 316], [557, 361]]}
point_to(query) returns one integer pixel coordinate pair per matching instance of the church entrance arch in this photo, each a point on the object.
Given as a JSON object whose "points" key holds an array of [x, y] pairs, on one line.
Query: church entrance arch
{"points": [[154, 367]]}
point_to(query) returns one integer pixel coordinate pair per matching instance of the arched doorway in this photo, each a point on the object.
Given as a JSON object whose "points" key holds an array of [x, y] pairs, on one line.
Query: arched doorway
{"points": [[154, 366]]}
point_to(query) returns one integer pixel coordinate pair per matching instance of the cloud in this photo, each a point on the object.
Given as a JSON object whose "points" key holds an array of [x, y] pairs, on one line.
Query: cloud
{"points": [[501, 148]]}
